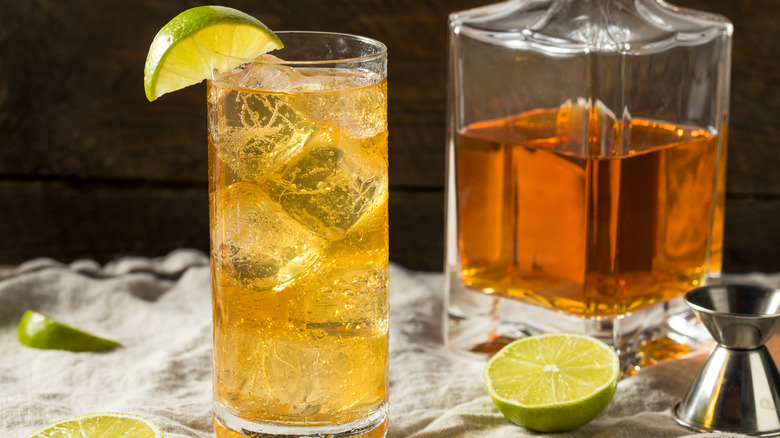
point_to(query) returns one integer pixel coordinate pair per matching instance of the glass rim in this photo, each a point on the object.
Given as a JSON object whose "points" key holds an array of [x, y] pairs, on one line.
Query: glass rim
{"points": [[381, 51]]}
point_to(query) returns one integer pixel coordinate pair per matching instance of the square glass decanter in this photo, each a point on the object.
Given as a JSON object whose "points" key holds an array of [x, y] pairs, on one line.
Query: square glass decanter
{"points": [[585, 171]]}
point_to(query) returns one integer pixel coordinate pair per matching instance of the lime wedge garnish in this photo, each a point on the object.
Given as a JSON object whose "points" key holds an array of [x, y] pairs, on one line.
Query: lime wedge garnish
{"points": [[553, 382], [100, 425], [40, 331], [185, 51]]}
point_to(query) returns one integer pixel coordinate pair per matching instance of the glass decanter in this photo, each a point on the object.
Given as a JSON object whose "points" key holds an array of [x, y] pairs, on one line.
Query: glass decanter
{"points": [[585, 171]]}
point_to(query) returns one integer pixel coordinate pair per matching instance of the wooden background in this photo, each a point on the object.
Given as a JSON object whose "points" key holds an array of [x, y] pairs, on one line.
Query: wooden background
{"points": [[89, 168]]}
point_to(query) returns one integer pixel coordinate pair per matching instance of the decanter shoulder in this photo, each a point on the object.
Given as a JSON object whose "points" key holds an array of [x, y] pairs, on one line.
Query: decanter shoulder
{"points": [[590, 25]]}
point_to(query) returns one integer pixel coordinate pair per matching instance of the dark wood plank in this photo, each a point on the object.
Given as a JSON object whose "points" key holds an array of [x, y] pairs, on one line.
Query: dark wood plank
{"points": [[66, 221], [417, 229], [752, 239], [73, 106]]}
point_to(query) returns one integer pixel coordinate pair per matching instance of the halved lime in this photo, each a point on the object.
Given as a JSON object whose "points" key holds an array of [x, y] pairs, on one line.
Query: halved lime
{"points": [[101, 425], [553, 382], [40, 331], [188, 49]]}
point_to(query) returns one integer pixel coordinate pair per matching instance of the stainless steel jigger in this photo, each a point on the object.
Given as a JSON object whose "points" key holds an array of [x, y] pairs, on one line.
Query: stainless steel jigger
{"points": [[738, 388]]}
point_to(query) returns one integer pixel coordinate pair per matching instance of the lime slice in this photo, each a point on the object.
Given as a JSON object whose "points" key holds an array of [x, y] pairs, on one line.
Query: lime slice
{"points": [[40, 331], [185, 51], [101, 425], [553, 382]]}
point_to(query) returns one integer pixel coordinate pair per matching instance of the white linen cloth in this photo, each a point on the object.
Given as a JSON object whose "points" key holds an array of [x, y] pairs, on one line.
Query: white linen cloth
{"points": [[159, 309]]}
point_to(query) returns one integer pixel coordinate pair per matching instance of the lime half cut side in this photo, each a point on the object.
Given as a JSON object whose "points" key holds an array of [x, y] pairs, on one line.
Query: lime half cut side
{"points": [[101, 425], [553, 382], [39, 331], [198, 42]]}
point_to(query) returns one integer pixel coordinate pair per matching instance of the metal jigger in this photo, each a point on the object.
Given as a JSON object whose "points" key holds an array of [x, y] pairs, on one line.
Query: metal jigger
{"points": [[737, 389]]}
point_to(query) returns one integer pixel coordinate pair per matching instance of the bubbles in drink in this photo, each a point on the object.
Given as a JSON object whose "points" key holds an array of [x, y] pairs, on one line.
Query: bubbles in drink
{"points": [[280, 391], [349, 300], [256, 242], [360, 111], [259, 132], [346, 100]]}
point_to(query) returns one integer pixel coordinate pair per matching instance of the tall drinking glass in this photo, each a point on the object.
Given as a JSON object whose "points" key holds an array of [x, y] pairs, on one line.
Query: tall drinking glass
{"points": [[299, 239]]}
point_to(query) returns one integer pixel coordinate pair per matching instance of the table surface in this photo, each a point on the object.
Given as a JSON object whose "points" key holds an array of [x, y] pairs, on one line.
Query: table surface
{"points": [[161, 312]]}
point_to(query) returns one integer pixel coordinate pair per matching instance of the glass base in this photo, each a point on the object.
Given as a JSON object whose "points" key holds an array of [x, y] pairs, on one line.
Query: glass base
{"points": [[227, 425], [483, 323]]}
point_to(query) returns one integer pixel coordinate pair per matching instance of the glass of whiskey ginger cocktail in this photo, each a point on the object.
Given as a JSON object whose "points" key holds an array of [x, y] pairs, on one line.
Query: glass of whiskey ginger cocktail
{"points": [[299, 239]]}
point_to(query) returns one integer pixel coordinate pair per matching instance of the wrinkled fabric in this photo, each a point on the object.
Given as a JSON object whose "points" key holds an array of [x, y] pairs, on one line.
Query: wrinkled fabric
{"points": [[160, 310]]}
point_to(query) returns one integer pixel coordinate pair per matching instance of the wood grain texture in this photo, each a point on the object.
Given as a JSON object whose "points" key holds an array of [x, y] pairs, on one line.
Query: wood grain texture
{"points": [[71, 220], [89, 168], [755, 248]]}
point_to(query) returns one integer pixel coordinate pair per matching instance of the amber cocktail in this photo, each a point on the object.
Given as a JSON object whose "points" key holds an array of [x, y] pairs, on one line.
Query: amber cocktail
{"points": [[299, 239]]}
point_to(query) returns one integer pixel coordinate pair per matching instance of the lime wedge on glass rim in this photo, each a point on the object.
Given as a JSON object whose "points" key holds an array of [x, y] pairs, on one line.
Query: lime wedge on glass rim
{"points": [[39, 331], [100, 425], [553, 382], [184, 51]]}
